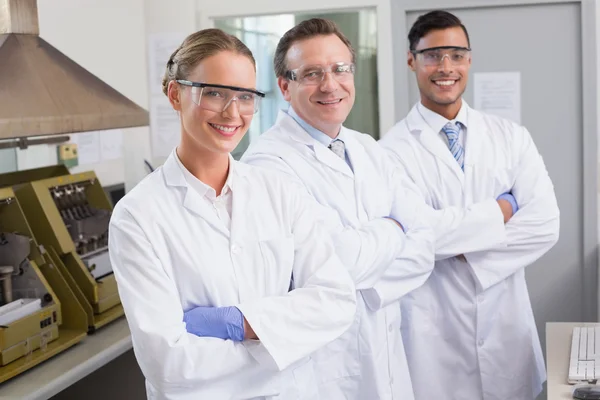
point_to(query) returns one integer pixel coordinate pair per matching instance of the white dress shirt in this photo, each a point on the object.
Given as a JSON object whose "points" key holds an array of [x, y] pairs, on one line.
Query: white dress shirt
{"points": [[222, 203], [436, 122]]}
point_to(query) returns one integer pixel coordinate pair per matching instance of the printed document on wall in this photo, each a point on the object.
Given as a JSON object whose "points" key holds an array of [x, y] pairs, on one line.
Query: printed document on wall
{"points": [[164, 126], [111, 144], [498, 93], [160, 48], [88, 147], [164, 121]]}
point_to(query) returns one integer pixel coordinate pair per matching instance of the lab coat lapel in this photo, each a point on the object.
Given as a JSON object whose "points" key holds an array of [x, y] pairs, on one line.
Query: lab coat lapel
{"points": [[329, 158], [477, 129], [241, 237], [327, 165], [242, 195], [358, 159], [192, 201], [430, 140], [322, 153]]}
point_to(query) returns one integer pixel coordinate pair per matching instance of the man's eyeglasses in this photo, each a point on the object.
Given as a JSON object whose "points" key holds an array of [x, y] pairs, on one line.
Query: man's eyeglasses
{"points": [[315, 74], [434, 56], [217, 98]]}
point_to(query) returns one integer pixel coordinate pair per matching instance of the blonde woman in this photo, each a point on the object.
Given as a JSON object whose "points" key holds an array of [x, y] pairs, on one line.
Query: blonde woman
{"points": [[204, 250]]}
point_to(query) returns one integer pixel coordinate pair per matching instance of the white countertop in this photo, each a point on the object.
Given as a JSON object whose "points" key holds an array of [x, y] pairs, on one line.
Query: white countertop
{"points": [[63, 370], [108, 343], [558, 350]]}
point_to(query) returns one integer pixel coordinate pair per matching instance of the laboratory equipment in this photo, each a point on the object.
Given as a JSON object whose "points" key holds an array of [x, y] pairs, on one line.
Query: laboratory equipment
{"points": [[39, 314], [69, 215]]}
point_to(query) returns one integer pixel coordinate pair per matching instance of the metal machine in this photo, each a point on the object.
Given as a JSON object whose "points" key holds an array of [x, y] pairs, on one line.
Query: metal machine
{"points": [[39, 314], [14, 178], [69, 215]]}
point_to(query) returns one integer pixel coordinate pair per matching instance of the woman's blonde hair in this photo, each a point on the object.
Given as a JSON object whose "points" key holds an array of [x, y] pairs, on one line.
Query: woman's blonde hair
{"points": [[197, 47]]}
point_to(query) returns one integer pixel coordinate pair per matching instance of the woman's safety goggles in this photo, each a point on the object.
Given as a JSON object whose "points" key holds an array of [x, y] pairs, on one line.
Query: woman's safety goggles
{"points": [[217, 98]]}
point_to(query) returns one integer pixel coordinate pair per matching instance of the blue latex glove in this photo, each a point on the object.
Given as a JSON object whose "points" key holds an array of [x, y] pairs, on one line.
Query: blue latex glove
{"points": [[217, 322], [511, 199]]}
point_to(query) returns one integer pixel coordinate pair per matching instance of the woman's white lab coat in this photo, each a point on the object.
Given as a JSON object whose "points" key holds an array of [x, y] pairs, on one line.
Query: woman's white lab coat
{"points": [[170, 252], [469, 332], [368, 361]]}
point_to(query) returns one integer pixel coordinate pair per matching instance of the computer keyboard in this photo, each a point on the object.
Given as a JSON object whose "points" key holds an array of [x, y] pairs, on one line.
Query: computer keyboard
{"points": [[584, 365]]}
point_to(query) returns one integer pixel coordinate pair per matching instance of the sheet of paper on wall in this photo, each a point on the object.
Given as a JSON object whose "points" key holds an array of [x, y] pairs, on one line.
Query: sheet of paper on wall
{"points": [[88, 147], [160, 48], [111, 144], [164, 126], [498, 93]]}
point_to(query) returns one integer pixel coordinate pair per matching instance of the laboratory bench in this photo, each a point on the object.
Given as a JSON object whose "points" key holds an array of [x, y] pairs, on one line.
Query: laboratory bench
{"points": [[102, 365]]}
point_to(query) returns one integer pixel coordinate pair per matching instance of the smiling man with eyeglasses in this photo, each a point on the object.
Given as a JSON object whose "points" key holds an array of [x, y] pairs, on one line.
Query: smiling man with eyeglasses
{"points": [[380, 224], [314, 63]]}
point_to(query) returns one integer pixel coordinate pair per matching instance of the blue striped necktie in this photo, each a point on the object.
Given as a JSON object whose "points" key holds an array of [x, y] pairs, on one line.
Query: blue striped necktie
{"points": [[452, 131]]}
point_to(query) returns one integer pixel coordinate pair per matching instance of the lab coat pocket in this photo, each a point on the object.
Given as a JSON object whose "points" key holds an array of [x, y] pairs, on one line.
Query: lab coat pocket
{"points": [[418, 315], [306, 382], [299, 382], [278, 262], [340, 358]]}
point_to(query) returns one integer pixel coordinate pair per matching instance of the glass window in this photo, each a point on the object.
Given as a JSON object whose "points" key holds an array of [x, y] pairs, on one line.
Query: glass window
{"points": [[8, 160], [261, 34]]}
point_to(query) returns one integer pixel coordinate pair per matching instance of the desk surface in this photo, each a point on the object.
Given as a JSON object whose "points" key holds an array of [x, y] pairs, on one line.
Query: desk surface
{"points": [[61, 371], [558, 350]]}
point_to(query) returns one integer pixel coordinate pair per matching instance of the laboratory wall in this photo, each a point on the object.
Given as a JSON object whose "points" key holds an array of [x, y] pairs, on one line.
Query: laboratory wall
{"points": [[177, 16], [109, 38], [598, 130]]}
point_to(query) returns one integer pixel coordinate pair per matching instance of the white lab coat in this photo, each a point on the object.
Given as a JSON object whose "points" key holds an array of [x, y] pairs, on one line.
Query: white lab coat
{"points": [[469, 332], [170, 252], [368, 361]]}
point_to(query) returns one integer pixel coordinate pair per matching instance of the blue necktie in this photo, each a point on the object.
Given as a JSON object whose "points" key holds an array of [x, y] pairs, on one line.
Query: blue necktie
{"points": [[452, 131]]}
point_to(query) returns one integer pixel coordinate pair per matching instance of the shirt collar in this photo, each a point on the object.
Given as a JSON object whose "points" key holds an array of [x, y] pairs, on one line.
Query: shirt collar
{"points": [[202, 188], [437, 122], [316, 134]]}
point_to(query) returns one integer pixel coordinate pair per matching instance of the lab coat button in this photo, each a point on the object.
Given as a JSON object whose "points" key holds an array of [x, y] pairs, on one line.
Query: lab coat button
{"points": [[481, 343], [480, 299], [391, 328], [235, 249], [391, 380]]}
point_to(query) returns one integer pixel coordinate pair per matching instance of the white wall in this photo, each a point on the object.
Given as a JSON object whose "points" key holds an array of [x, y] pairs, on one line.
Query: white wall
{"points": [[176, 16], [172, 16], [597, 15], [107, 37], [597, 3]]}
